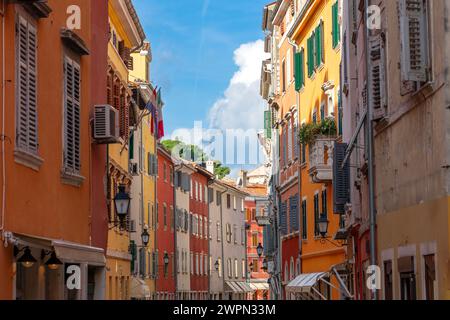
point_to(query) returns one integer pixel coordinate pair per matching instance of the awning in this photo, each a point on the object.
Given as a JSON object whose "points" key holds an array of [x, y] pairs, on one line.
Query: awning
{"points": [[238, 287], [231, 286], [139, 290], [77, 253], [305, 282], [259, 286], [65, 251]]}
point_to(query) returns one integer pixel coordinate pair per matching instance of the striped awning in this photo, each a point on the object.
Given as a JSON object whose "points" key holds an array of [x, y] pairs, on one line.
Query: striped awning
{"points": [[259, 286], [305, 282], [238, 287]]}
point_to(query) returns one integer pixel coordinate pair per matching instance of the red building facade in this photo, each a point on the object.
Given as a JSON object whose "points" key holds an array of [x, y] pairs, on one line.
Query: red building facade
{"points": [[165, 236], [257, 276], [199, 233]]}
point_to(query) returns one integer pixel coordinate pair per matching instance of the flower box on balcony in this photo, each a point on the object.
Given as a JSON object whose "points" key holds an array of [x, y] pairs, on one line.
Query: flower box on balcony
{"points": [[321, 159]]}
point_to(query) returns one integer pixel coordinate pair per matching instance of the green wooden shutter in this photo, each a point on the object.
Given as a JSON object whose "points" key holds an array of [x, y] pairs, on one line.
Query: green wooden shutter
{"points": [[299, 70], [318, 45], [310, 49], [336, 34]]}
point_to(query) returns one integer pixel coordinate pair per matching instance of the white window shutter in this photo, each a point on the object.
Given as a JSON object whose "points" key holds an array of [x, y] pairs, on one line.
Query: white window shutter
{"points": [[413, 33], [378, 78], [72, 101], [26, 108]]}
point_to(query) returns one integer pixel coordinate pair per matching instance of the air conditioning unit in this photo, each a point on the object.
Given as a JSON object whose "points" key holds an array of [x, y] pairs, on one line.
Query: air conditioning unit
{"points": [[106, 124], [134, 169]]}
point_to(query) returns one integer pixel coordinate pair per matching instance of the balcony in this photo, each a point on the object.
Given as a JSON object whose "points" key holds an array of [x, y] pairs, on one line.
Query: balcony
{"points": [[321, 159]]}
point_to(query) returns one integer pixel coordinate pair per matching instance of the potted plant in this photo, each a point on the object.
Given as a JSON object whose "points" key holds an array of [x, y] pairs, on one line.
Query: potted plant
{"points": [[309, 132]]}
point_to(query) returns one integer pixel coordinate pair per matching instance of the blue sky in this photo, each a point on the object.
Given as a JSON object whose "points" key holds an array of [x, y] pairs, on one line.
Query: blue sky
{"points": [[193, 44]]}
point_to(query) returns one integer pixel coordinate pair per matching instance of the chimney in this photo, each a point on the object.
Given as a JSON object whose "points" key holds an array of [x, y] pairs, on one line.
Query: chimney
{"points": [[210, 166], [243, 178]]}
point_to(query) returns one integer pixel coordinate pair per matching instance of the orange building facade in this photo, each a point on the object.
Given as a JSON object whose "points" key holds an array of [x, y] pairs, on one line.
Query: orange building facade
{"points": [[48, 215]]}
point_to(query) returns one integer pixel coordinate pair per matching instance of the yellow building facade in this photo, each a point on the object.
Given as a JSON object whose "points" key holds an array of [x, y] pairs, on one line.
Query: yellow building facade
{"points": [[126, 35], [316, 33], [144, 142]]}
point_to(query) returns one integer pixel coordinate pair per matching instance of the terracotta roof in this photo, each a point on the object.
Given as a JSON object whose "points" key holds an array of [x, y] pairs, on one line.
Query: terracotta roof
{"points": [[257, 190]]}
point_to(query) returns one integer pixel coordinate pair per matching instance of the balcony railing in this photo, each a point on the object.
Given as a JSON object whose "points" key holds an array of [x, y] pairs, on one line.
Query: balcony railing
{"points": [[321, 159]]}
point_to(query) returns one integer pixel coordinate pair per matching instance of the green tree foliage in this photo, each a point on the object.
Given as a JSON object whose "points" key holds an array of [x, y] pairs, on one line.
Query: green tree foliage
{"points": [[195, 154]]}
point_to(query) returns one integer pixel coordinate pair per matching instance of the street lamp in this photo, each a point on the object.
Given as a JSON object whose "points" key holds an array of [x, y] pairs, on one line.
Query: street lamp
{"points": [[145, 237], [27, 260], [122, 203], [166, 259], [259, 250], [323, 225]]}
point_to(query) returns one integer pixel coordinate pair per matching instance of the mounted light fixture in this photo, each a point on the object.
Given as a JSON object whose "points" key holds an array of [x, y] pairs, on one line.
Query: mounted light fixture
{"points": [[27, 260], [122, 203], [323, 225], [259, 250], [53, 262], [145, 237], [166, 259], [216, 265]]}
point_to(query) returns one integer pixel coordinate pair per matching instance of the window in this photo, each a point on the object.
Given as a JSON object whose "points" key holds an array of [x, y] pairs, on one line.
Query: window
{"points": [[200, 233], [219, 261], [242, 235], [196, 191], [219, 232], [165, 172], [210, 195], [72, 99], [254, 240], [192, 263], [430, 276], [201, 192], [234, 202], [336, 30], [228, 201], [316, 215], [228, 232], [324, 203], [289, 139], [388, 293], [414, 39], [235, 234], [229, 268], [26, 88], [243, 269], [242, 205], [288, 67], [236, 266], [292, 270], [165, 215], [218, 198], [197, 264], [299, 69], [319, 52], [283, 75]]}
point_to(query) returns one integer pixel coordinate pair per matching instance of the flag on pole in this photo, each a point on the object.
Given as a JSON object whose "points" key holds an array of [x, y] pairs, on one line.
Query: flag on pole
{"points": [[160, 115]]}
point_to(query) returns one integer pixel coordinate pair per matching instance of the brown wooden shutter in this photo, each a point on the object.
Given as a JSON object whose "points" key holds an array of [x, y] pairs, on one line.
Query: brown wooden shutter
{"points": [[26, 57], [72, 96]]}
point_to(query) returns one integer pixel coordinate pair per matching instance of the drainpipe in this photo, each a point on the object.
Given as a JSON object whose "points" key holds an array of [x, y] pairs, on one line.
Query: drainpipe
{"points": [[2, 225], [369, 128], [175, 252], [300, 240]]}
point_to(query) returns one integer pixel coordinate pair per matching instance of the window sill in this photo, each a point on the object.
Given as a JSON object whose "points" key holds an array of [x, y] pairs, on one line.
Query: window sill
{"points": [[71, 179], [27, 159]]}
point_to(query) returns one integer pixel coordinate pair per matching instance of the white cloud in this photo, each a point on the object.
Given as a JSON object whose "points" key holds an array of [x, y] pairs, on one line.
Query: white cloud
{"points": [[240, 110], [241, 105]]}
